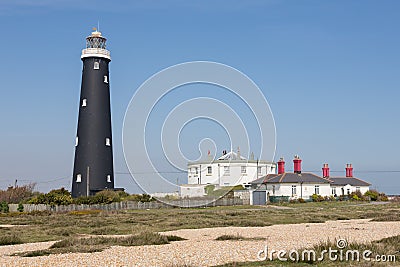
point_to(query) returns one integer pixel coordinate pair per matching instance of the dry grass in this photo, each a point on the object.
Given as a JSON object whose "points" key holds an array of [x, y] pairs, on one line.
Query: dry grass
{"points": [[9, 239], [94, 244], [385, 246], [47, 226], [237, 237]]}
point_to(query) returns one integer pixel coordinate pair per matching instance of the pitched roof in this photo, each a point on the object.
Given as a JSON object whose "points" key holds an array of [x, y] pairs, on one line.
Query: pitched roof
{"points": [[348, 180], [292, 178]]}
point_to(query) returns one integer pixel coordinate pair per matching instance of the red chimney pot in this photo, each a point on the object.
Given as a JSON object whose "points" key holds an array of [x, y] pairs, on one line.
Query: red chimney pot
{"points": [[281, 166], [325, 170], [349, 170], [297, 164]]}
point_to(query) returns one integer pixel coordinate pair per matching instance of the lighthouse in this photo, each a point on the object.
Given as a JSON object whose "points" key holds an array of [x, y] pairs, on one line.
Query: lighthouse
{"points": [[93, 163]]}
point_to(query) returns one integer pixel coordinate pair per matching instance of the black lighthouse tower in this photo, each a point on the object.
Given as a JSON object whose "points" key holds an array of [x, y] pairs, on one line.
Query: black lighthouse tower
{"points": [[93, 164]]}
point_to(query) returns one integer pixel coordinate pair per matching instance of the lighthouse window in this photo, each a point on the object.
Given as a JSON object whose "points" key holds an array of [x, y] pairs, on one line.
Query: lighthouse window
{"points": [[78, 178], [84, 102], [96, 65], [108, 178], [76, 141], [108, 142], [105, 79]]}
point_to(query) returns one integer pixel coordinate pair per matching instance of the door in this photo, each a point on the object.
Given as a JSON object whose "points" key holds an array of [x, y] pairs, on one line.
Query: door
{"points": [[259, 197]]}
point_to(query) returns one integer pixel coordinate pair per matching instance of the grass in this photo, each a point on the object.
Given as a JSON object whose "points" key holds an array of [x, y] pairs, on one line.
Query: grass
{"points": [[99, 243], [237, 237], [9, 239], [47, 226], [386, 246]]}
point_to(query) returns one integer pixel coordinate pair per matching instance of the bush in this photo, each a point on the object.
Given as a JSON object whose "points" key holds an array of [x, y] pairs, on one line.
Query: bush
{"points": [[357, 195], [20, 207], [376, 196], [84, 200], [4, 207], [106, 197], [17, 194], [301, 200], [317, 198], [140, 198], [55, 197]]}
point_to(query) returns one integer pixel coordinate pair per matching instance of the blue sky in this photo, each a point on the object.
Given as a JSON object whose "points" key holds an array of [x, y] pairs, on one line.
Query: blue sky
{"points": [[329, 70]]}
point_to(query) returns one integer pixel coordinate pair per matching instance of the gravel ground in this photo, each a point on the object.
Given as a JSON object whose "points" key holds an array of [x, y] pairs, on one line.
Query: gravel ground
{"points": [[201, 248]]}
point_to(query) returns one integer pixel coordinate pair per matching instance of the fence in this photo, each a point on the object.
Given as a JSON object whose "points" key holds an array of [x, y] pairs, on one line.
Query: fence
{"points": [[130, 205]]}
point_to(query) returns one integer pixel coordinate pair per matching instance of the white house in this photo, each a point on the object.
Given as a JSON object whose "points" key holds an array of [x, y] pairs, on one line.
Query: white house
{"points": [[303, 185], [229, 170]]}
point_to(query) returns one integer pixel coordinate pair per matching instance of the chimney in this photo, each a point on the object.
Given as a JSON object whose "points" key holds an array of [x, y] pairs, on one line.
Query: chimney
{"points": [[297, 164], [325, 170], [281, 166], [349, 170]]}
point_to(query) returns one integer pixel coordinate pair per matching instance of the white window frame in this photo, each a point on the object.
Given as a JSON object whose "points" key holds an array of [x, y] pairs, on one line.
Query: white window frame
{"points": [[294, 190], [209, 170], [243, 169], [316, 189], [226, 170], [79, 178]]}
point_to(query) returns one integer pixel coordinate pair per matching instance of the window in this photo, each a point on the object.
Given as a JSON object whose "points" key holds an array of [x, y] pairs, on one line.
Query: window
{"points": [[84, 102], [78, 178], [333, 190], [96, 65], [105, 79], [108, 178], [316, 190], [273, 189], [209, 170], [357, 188], [108, 142], [76, 141], [259, 170], [294, 190], [243, 169], [196, 170], [348, 191], [226, 170]]}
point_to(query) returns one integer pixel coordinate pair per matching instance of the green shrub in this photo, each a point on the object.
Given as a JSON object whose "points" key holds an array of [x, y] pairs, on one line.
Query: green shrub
{"points": [[372, 194], [4, 207], [106, 197], [20, 207], [55, 197], [140, 198], [317, 198], [301, 200]]}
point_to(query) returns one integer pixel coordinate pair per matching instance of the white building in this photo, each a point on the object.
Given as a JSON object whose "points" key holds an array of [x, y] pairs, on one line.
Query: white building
{"points": [[303, 185], [229, 170]]}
